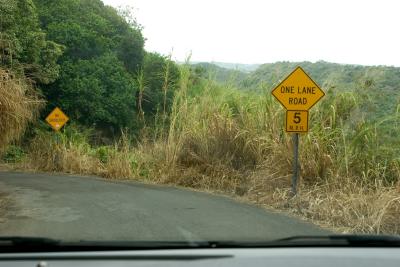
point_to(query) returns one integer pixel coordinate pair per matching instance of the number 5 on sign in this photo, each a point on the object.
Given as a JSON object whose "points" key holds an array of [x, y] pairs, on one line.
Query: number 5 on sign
{"points": [[297, 121]]}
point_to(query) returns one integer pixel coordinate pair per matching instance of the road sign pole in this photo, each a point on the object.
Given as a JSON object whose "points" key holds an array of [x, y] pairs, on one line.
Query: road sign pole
{"points": [[295, 163], [57, 158]]}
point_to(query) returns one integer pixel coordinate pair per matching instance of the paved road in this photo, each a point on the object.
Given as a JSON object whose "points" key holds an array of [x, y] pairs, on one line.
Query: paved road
{"points": [[89, 208]]}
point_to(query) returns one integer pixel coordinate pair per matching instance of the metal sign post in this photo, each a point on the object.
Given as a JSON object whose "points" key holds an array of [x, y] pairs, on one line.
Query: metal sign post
{"points": [[295, 176]]}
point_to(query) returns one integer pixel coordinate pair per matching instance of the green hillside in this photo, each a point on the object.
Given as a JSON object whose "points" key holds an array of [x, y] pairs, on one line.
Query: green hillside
{"points": [[247, 68], [329, 74], [377, 88], [380, 85], [219, 74]]}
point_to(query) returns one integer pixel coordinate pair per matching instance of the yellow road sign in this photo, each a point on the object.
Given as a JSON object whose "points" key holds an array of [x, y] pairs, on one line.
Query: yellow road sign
{"points": [[297, 121], [57, 119], [298, 91]]}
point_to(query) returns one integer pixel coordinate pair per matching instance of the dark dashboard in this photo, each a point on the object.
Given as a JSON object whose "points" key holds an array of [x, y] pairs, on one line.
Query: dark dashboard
{"points": [[279, 257]]}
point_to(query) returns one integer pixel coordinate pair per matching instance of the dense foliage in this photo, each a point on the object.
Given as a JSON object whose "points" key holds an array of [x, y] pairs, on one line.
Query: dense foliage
{"points": [[160, 79], [86, 58], [102, 54], [26, 57], [24, 47]]}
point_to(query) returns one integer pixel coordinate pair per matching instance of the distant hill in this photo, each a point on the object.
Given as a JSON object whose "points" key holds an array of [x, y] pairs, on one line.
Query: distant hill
{"points": [[324, 73], [328, 74], [237, 66], [220, 74], [246, 68], [381, 84]]}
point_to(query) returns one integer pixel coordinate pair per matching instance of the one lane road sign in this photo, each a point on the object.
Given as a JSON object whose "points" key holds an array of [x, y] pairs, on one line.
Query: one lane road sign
{"points": [[298, 91]]}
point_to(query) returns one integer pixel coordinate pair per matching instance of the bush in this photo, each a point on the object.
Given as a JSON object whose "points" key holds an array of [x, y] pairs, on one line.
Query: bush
{"points": [[14, 154], [103, 153]]}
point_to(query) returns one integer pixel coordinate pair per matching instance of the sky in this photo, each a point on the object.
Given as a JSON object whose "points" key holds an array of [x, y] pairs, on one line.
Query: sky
{"points": [[365, 32]]}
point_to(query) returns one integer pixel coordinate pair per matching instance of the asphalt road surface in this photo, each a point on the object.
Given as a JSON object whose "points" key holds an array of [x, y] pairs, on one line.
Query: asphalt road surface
{"points": [[89, 208]]}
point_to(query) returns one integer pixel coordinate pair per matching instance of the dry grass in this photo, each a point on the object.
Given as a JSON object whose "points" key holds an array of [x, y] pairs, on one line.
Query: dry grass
{"points": [[56, 153], [119, 163], [70, 152], [353, 208], [341, 205], [19, 105]]}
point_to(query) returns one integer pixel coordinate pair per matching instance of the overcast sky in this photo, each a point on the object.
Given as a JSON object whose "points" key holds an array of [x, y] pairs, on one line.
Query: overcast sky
{"points": [[261, 31]]}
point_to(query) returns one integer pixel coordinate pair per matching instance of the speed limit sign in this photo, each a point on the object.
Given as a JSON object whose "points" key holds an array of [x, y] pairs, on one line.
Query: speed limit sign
{"points": [[297, 121]]}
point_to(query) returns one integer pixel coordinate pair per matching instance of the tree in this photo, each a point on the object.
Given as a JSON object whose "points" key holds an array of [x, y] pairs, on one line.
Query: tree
{"points": [[96, 92], [161, 76], [89, 29], [23, 44], [102, 55]]}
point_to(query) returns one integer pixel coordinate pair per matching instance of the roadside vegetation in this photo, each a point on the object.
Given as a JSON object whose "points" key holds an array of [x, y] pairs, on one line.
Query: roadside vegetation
{"points": [[138, 115]]}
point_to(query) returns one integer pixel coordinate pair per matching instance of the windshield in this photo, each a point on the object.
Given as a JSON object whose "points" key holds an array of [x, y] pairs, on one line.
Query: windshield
{"points": [[199, 121]]}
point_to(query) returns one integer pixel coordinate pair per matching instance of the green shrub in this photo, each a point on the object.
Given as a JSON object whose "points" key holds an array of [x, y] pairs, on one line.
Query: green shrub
{"points": [[103, 153], [14, 154]]}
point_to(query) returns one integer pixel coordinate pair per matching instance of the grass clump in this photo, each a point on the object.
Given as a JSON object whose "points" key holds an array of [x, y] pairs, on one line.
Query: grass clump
{"points": [[67, 151], [14, 154], [120, 160], [19, 105], [70, 151]]}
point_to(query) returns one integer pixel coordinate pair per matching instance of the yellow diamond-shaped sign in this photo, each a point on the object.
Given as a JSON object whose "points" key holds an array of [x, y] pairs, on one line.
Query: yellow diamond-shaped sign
{"points": [[57, 119], [298, 91]]}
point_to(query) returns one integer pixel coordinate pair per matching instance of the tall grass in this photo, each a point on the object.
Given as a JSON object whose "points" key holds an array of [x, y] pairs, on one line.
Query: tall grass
{"points": [[67, 151], [221, 139], [19, 105]]}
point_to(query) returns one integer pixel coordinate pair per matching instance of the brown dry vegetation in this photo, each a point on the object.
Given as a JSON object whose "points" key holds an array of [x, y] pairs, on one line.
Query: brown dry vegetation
{"points": [[58, 152], [229, 142], [19, 105]]}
